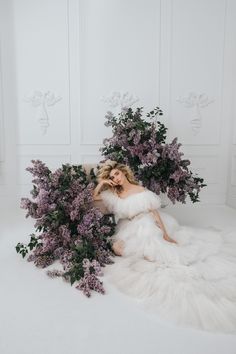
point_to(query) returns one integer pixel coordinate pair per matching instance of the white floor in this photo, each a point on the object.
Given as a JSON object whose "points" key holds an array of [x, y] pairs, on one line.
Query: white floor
{"points": [[43, 316]]}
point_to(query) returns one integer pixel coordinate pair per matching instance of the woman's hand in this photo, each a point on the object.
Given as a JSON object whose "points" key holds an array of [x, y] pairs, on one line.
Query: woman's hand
{"points": [[102, 183], [107, 182], [162, 226], [169, 239]]}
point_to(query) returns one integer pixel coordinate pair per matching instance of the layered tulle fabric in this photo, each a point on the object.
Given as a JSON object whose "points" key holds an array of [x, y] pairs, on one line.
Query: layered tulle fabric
{"points": [[192, 282]]}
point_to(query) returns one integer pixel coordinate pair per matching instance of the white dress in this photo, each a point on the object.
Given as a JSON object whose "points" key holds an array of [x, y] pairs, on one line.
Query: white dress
{"points": [[192, 283]]}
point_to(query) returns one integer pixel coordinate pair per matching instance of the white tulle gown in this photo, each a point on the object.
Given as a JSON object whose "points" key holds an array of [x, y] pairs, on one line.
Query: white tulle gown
{"points": [[192, 283]]}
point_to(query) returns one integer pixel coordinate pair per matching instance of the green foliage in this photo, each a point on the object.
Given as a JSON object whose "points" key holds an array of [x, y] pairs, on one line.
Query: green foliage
{"points": [[24, 249]]}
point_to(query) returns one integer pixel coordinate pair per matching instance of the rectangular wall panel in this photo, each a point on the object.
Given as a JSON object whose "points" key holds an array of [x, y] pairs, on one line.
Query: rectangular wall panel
{"points": [[119, 46], [196, 66], [1, 112], [42, 67]]}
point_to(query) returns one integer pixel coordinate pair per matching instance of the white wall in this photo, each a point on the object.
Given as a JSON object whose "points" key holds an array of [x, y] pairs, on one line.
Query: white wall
{"points": [[231, 192], [8, 112], [178, 54]]}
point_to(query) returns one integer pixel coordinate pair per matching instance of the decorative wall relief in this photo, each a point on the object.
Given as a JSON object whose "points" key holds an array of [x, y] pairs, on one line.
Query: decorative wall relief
{"points": [[42, 101], [197, 102], [120, 100]]}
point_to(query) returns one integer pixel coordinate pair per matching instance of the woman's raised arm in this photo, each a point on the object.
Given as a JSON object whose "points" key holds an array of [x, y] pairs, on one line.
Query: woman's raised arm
{"points": [[97, 190]]}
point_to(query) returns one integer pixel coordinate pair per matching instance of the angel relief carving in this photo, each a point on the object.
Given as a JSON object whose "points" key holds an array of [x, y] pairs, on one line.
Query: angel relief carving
{"points": [[42, 101], [196, 102]]}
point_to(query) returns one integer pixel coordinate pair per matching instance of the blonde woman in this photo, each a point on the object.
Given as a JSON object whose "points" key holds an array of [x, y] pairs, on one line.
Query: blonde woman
{"points": [[185, 274], [120, 180]]}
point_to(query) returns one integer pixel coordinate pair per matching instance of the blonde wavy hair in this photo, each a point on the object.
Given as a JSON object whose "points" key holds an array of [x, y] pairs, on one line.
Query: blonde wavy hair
{"points": [[105, 170]]}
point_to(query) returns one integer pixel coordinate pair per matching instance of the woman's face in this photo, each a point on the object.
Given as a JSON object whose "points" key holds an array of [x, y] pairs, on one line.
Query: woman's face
{"points": [[117, 176]]}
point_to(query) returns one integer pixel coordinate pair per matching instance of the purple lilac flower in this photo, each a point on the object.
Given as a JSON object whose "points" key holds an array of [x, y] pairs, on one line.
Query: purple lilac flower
{"points": [[55, 273], [31, 258], [105, 229], [58, 252], [104, 256], [43, 261], [178, 175], [68, 222], [78, 242], [66, 259], [90, 282], [32, 207], [65, 234], [50, 242], [137, 137], [43, 202], [39, 169], [55, 177], [93, 266], [109, 117], [173, 194]]}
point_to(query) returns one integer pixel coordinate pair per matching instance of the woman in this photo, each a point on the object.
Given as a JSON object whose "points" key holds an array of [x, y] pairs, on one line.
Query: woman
{"points": [[185, 274]]}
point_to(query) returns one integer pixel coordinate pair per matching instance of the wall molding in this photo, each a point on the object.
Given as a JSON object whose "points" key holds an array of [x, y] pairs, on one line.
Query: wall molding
{"points": [[166, 77], [121, 73], [2, 153], [50, 112]]}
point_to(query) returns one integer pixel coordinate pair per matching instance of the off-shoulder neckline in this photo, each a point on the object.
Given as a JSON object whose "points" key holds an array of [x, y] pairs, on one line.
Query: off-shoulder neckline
{"points": [[131, 195]]}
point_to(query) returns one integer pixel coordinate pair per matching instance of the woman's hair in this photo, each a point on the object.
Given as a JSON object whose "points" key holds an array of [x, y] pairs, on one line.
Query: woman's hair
{"points": [[107, 167]]}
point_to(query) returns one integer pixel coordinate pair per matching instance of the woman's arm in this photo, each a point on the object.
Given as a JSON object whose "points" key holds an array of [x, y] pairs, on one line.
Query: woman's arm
{"points": [[162, 226], [97, 190]]}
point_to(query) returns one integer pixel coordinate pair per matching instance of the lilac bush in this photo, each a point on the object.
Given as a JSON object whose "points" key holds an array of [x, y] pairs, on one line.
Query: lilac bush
{"points": [[69, 227], [141, 144]]}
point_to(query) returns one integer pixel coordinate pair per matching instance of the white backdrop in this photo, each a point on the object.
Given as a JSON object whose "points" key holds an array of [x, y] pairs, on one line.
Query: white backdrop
{"points": [[59, 57]]}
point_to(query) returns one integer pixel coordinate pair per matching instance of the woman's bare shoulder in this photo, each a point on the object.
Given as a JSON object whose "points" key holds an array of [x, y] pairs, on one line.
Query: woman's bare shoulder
{"points": [[138, 188]]}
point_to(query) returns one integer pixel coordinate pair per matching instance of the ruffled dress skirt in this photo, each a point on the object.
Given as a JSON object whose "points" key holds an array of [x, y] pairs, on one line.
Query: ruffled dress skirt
{"points": [[191, 283]]}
